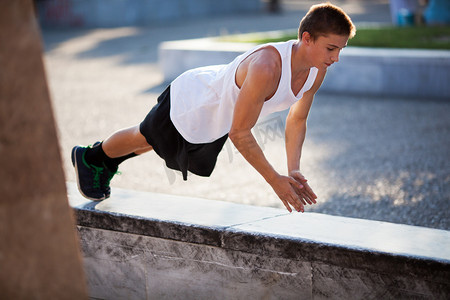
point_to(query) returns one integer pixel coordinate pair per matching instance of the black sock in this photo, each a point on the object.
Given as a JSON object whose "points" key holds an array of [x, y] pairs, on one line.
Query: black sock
{"points": [[97, 157], [113, 163]]}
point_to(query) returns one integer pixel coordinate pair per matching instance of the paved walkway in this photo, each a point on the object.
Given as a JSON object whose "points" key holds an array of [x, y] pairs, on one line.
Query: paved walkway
{"points": [[382, 159]]}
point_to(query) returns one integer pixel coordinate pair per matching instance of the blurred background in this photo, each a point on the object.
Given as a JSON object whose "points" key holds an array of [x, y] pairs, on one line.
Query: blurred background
{"points": [[380, 158]]}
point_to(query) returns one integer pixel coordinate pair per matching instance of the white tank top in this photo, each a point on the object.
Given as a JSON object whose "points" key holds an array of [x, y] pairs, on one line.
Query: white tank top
{"points": [[202, 100]]}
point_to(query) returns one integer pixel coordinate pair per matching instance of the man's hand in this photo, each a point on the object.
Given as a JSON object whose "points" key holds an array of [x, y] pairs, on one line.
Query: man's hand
{"points": [[286, 189], [293, 191], [305, 193]]}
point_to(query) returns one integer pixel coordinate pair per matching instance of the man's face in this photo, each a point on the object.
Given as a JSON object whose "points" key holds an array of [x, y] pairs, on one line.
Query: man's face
{"points": [[325, 50]]}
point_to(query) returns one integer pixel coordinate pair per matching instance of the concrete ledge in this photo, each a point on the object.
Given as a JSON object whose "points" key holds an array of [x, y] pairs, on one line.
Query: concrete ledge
{"points": [[369, 71], [143, 245]]}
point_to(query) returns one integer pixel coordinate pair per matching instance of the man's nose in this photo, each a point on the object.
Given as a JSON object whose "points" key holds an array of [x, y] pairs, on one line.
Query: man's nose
{"points": [[335, 57]]}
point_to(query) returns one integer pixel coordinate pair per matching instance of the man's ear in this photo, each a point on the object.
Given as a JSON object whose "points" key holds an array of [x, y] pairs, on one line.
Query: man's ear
{"points": [[306, 38]]}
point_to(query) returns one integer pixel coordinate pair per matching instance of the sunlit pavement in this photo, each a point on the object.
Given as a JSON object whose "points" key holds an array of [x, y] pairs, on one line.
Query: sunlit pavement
{"points": [[367, 157]]}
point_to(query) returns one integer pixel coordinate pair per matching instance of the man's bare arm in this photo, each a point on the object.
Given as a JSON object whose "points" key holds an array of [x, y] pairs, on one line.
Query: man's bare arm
{"points": [[295, 136], [261, 81]]}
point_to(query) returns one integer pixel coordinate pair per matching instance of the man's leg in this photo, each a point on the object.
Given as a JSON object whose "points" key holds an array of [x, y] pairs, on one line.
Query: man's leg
{"points": [[124, 142]]}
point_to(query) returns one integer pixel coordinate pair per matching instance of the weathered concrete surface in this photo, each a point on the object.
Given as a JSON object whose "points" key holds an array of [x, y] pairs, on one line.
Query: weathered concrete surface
{"points": [[39, 250], [139, 245], [128, 266]]}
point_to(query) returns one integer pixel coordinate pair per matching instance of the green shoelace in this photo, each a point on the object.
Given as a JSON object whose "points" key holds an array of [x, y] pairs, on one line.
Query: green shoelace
{"points": [[98, 171], [110, 176]]}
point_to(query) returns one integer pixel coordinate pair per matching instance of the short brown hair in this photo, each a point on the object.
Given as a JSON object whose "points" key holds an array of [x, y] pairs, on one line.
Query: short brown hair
{"points": [[326, 18]]}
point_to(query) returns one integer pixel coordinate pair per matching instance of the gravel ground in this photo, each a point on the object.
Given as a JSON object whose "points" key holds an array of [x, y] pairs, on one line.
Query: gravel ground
{"points": [[376, 158]]}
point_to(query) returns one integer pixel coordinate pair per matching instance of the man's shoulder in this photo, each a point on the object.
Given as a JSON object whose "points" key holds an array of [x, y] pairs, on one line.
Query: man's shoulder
{"points": [[265, 60], [263, 65], [268, 54]]}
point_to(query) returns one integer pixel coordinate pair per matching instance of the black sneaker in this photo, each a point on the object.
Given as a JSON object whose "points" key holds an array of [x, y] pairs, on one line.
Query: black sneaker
{"points": [[89, 177], [106, 176], [105, 179]]}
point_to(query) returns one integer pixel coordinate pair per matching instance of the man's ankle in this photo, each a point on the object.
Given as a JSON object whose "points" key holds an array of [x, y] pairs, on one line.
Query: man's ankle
{"points": [[95, 155]]}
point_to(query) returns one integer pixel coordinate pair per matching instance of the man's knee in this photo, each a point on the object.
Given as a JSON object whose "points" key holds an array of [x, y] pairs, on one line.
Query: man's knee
{"points": [[139, 139]]}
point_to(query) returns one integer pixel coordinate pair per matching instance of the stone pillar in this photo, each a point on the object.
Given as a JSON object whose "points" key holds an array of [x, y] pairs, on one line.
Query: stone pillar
{"points": [[39, 248]]}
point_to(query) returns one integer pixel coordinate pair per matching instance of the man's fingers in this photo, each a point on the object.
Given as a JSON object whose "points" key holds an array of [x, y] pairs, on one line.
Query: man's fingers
{"points": [[295, 183], [301, 183], [311, 196], [299, 176], [286, 204], [297, 204], [306, 197], [303, 191], [294, 197], [310, 192], [305, 194], [303, 200]]}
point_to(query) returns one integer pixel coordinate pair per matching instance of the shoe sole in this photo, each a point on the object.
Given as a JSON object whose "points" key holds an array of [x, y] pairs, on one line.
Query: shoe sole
{"points": [[75, 164]]}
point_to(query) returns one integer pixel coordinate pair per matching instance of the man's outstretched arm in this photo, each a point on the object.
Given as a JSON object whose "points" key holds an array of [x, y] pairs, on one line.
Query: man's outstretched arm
{"points": [[261, 81], [295, 136]]}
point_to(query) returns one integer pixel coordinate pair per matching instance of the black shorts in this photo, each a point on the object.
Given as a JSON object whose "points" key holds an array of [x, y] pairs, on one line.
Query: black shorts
{"points": [[179, 154]]}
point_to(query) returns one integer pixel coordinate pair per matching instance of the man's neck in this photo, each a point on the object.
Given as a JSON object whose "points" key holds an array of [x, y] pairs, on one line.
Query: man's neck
{"points": [[299, 60]]}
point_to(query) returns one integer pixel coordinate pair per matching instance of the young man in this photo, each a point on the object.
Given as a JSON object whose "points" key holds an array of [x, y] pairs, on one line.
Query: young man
{"points": [[203, 107]]}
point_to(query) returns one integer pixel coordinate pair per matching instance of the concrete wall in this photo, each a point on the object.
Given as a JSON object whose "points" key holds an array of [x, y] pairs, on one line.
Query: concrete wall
{"points": [[391, 72], [112, 13], [368, 71], [140, 245]]}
